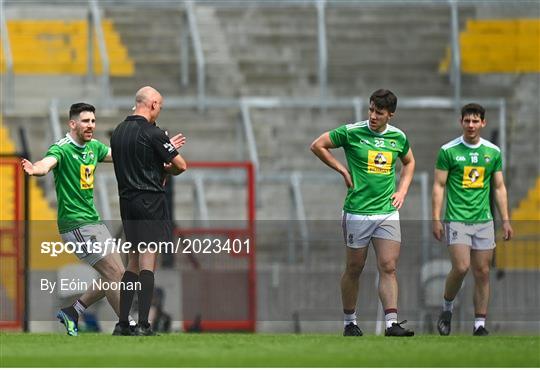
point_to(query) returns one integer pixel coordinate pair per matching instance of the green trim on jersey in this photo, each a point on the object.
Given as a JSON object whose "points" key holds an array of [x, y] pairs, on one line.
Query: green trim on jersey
{"points": [[470, 168], [74, 181], [371, 157]]}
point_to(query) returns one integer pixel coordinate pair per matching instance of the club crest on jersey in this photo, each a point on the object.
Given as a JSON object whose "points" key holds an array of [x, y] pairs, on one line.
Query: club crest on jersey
{"points": [[473, 177], [393, 144], [87, 176], [89, 154], [379, 162], [487, 158]]}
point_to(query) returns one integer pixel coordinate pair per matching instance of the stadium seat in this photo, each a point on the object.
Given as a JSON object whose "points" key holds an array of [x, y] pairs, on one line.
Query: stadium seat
{"points": [[42, 215], [498, 46], [61, 47], [523, 251]]}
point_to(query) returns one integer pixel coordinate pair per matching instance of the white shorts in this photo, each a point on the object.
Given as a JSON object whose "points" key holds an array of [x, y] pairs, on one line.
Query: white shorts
{"points": [[93, 233], [359, 229], [477, 236]]}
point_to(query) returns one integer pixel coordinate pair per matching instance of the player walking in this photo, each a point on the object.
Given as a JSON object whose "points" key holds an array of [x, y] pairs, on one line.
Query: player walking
{"points": [[465, 167]]}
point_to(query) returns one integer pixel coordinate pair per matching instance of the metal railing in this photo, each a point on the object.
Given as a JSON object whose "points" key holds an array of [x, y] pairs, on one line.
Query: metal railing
{"points": [[455, 71], [323, 50], [355, 103], [321, 6], [294, 179], [95, 16], [200, 199], [199, 55], [8, 81], [247, 126], [192, 32]]}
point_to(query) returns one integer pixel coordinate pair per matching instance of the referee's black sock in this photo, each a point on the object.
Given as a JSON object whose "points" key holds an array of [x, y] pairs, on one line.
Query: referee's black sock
{"points": [[146, 278], [126, 296]]}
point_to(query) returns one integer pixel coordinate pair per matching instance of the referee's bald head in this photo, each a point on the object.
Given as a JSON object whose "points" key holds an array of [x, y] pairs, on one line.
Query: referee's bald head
{"points": [[148, 102], [146, 95]]}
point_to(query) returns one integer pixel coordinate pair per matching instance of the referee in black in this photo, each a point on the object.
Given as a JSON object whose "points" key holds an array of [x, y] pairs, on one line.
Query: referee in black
{"points": [[143, 157]]}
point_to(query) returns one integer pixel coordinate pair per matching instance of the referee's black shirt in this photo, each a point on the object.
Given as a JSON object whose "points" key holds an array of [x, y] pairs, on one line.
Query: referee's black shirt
{"points": [[139, 150]]}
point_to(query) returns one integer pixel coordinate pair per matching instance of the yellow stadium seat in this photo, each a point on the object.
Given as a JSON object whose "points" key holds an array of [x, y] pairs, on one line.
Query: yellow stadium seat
{"points": [[42, 217], [60, 47], [498, 46], [523, 252]]}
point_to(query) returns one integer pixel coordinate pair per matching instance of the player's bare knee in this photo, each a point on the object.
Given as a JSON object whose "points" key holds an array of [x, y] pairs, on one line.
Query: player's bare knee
{"points": [[460, 268], [352, 275], [354, 269], [111, 271], [481, 273], [387, 267]]}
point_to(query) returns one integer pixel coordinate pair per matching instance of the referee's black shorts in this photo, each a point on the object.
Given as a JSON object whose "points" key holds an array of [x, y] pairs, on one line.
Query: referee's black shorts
{"points": [[146, 218]]}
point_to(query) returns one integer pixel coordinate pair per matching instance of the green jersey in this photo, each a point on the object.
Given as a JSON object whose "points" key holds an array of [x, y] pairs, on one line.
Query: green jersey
{"points": [[371, 157], [74, 180], [470, 168]]}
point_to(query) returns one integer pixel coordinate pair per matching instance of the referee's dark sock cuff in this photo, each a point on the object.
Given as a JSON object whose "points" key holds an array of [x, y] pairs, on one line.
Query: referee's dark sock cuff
{"points": [[130, 277], [126, 295], [146, 278]]}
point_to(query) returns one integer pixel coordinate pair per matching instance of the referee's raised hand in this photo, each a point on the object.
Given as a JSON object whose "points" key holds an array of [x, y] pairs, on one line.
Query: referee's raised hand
{"points": [[178, 140]]}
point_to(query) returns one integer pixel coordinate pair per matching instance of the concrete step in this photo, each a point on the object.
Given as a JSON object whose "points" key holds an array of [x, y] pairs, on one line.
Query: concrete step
{"points": [[391, 13], [55, 10], [32, 94], [132, 14]]}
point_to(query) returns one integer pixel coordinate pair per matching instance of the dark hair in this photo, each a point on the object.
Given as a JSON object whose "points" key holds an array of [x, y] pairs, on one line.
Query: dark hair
{"points": [[473, 109], [384, 99], [78, 108]]}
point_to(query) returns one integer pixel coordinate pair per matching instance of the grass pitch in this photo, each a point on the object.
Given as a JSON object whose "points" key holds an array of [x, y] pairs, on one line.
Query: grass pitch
{"points": [[264, 350]]}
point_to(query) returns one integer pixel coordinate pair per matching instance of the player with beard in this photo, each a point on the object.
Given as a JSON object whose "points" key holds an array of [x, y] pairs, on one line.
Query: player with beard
{"points": [[73, 160]]}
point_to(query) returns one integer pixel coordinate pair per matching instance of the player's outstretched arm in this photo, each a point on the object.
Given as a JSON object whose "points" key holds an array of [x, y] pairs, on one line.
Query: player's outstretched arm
{"points": [[405, 179], [321, 148], [108, 157], [176, 166], [40, 168], [501, 200], [437, 196]]}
